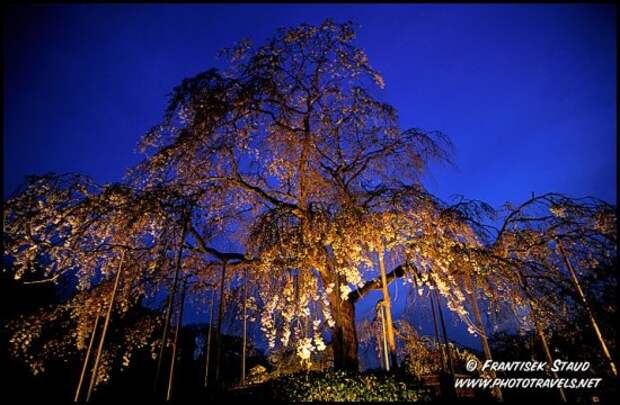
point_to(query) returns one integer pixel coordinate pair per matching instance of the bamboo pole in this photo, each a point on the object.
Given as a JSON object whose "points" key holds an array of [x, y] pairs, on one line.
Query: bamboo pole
{"points": [[484, 340], [385, 348], [170, 303], [208, 349], [444, 332], [93, 377], [338, 325], [87, 357], [539, 331], [589, 311], [441, 351], [218, 356], [379, 340], [543, 340], [245, 326], [388, 305], [176, 342], [448, 386]]}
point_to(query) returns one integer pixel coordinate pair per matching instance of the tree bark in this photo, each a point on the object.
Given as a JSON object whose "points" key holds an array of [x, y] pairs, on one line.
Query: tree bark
{"points": [[344, 335]]}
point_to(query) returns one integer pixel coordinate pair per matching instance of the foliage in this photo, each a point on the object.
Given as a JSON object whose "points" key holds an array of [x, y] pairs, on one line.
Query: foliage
{"points": [[347, 386]]}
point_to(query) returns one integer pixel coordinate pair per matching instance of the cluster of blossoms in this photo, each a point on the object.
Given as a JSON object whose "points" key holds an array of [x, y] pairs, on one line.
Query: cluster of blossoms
{"points": [[305, 348], [267, 321]]}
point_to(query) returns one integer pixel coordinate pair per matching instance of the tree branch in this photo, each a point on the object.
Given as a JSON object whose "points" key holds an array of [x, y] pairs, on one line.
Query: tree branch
{"points": [[223, 256], [375, 284]]}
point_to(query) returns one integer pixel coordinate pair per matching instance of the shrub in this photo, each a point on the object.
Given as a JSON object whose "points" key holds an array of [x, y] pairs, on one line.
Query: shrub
{"points": [[332, 385]]}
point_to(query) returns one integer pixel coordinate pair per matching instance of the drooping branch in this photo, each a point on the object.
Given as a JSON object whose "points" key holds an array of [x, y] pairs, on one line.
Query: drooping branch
{"points": [[223, 256]]}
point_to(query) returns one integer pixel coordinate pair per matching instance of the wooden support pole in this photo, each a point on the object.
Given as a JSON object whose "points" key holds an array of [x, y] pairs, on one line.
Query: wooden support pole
{"points": [[589, 311], [448, 389], [208, 348], [543, 340], [388, 305], [437, 339], [170, 303], [444, 332], [539, 331], [218, 356], [470, 282], [93, 377], [87, 357], [245, 326], [384, 335], [176, 342]]}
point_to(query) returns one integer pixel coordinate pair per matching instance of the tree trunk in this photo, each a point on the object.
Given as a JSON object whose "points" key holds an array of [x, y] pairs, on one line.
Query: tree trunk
{"points": [[344, 335]]}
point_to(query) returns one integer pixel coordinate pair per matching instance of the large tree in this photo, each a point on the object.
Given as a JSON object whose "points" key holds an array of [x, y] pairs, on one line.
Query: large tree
{"points": [[286, 171], [289, 139]]}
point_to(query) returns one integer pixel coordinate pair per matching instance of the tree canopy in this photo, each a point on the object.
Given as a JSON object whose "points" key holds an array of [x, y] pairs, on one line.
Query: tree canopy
{"points": [[286, 173]]}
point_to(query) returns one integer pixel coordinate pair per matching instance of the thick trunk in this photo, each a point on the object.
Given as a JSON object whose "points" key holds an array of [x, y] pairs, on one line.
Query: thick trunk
{"points": [[344, 335]]}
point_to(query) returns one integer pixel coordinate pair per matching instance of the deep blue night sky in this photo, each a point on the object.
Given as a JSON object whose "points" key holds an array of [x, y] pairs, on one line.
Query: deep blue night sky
{"points": [[526, 93]]}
